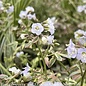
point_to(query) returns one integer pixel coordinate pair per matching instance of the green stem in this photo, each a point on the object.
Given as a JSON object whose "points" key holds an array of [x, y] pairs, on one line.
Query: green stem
{"points": [[63, 67], [13, 78], [4, 69], [81, 68], [78, 81], [43, 60], [13, 1], [83, 77], [40, 64]]}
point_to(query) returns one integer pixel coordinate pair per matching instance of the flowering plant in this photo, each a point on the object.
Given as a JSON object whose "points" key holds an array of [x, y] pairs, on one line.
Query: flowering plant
{"points": [[30, 49]]}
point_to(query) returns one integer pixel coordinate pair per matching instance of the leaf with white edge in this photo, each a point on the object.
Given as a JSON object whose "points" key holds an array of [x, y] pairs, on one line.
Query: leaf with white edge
{"points": [[52, 61], [58, 56]]}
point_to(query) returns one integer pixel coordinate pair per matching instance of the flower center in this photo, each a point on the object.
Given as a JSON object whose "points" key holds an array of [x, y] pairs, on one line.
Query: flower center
{"points": [[37, 28], [84, 54], [73, 51]]}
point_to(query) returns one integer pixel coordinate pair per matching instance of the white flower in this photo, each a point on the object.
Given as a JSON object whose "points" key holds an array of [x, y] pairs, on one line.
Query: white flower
{"points": [[71, 50], [22, 36], [81, 54], [53, 19], [19, 54], [14, 70], [23, 14], [79, 33], [30, 84], [26, 70], [50, 25], [80, 8], [47, 83], [57, 84], [27, 75], [20, 21], [37, 28], [11, 9], [50, 39], [29, 9], [82, 40], [44, 40], [31, 16], [80, 36]]}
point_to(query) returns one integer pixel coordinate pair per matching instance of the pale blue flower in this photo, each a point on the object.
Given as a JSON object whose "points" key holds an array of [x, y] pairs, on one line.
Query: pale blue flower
{"points": [[26, 70], [11, 9], [18, 54], [80, 8], [23, 14], [37, 28], [50, 39], [50, 25], [79, 33], [14, 70], [31, 16], [29, 9], [80, 36], [81, 55], [82, 40], [71, 50]]}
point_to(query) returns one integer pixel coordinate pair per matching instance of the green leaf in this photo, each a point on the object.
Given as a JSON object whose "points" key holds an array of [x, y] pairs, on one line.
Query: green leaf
{"points": [[58, 56], [52, 61]]}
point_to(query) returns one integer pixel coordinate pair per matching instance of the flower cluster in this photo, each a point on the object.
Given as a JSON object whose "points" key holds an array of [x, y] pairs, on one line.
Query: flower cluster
{"points": [[38, 28], [25, 72], [28, 13], [79, 53], [47, 26]]}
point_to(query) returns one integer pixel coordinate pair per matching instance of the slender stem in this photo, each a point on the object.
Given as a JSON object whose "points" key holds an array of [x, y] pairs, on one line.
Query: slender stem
{"points": [[80, 68], [43, 59], [4, 69], [63, 67], [40, 64], [12, 78], [83, 77], [14, 11], [78, 81]]}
